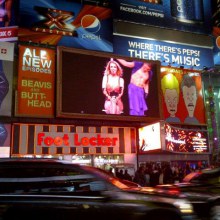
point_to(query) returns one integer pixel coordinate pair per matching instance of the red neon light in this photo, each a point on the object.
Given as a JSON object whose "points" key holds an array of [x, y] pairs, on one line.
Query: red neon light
{"points": [[77, 141], [58, 141]]}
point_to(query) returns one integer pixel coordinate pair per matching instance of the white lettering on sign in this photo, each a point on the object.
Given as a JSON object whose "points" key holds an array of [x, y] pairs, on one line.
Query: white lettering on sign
{"points": [[36, 61]]}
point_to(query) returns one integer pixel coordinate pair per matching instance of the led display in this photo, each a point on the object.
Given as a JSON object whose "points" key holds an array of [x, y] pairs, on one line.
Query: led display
{"points": [[102, 85], [180, 140], [149, 137]]}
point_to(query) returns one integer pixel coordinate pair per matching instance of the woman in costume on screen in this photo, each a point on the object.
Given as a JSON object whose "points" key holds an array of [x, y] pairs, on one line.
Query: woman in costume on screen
{"points": [[113, 88]]}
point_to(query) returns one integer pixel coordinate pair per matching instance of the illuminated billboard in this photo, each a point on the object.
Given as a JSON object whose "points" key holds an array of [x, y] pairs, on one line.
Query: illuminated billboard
{"points": [[36, 74], [57, 139], [105, 86], [149, 137], [183, 15], [182, 96], [179, 140], [66, 23]]}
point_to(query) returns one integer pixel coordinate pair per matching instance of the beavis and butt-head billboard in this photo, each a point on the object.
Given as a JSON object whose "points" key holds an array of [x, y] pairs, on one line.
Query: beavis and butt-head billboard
{"points": [[36, 75], [182, 97]]}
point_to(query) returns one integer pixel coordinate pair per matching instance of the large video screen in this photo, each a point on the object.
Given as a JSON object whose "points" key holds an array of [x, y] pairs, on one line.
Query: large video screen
{"points": [[102, 85]]}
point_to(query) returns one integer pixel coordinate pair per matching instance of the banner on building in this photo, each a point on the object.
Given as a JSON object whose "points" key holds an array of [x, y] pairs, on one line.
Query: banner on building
{"points": [[66, 23], [182, 96], [184, 15], [36, 75], [39, 139], [168, 53]]}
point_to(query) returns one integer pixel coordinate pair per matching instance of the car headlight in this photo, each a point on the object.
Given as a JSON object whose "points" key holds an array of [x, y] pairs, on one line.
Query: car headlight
{"points": [[184, 206]]}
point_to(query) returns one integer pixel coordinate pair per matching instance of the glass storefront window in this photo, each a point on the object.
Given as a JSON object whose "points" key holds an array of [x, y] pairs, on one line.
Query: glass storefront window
{"points": [[105, 161]]}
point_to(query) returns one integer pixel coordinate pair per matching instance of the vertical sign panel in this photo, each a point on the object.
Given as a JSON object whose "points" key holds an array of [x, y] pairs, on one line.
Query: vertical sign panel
{"points": [[6, 77], [35, 95]]}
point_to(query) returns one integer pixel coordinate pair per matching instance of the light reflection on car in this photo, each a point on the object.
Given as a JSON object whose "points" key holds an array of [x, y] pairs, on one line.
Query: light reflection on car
{"points": [[189, 177], [53, 189]]}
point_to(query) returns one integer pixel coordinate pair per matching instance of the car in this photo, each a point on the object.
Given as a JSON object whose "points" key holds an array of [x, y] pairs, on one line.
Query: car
{"points": [[56, 189], [202, 188]]}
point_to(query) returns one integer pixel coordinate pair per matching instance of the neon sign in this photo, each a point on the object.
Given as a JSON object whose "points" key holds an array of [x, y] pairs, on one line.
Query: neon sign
{"points": [[75, 140]]}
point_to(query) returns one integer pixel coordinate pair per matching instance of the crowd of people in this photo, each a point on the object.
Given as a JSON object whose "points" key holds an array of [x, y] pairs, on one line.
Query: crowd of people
{"points": [[152, 174]]}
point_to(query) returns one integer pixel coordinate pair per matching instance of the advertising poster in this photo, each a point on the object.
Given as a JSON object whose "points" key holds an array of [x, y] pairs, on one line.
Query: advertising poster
{"points": [[6, 77], [36, 73], [5, 138], [184, 15], [182, 97], [180, 140], [66, 23], [8, 20], [167, 53]]}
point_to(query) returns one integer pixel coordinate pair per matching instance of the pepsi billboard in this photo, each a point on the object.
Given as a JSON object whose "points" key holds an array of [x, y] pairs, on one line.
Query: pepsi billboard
{"points": [[166, 52], [66, 23], [184, 15]]}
